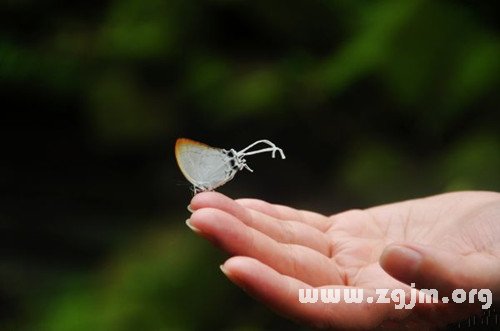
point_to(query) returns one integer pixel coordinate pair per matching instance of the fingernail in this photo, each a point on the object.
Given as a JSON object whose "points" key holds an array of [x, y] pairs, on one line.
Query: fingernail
{"points": [[224, 270], [191, 226], [190, 209]]}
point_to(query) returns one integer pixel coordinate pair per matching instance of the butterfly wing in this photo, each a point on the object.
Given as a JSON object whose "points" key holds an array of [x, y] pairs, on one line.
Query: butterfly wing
{"points": [[203, 166]]}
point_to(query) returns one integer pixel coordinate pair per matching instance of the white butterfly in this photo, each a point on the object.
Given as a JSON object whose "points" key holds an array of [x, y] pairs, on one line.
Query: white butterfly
{"points": [[209, 167]]}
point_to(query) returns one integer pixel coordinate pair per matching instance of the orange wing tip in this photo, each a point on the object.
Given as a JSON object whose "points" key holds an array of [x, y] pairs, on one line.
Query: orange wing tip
{"points": [[181, 143]]}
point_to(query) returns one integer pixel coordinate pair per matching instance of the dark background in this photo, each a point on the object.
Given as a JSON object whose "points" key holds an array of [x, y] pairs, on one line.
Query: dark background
{"points": [[372, 102]]}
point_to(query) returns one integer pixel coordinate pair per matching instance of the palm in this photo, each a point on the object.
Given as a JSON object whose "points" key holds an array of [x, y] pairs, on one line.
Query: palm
{"points": [[280, 249]]}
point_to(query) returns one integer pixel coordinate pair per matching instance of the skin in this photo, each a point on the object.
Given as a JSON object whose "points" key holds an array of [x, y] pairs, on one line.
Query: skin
{"points": [[444, 242]]}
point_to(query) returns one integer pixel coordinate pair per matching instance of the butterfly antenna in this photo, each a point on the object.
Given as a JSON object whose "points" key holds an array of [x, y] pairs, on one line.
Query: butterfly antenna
{"points": [[273, 148]]}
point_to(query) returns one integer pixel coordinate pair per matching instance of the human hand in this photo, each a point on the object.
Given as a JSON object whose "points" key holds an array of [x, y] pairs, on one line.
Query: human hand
{"points": [[443, 242]]}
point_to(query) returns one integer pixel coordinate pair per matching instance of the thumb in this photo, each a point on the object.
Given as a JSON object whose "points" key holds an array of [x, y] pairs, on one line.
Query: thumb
{"points": [[433, 268]]}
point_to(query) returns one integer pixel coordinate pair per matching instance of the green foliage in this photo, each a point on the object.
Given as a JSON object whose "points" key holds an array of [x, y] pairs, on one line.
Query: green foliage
{"points": [[158, 283]]}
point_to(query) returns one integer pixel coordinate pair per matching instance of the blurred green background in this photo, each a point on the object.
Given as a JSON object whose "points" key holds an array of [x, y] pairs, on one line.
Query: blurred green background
{"points": [[372, 102]]}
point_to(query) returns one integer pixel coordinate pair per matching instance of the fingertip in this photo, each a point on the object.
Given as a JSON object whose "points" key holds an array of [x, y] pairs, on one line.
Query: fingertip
{"points": [[222, 229], [238, 265], [233, 267], [204, 199], [192, 226], [199, 199], [225, 271], [245, 267], [249, 274], [208, 223], [203, 217]]}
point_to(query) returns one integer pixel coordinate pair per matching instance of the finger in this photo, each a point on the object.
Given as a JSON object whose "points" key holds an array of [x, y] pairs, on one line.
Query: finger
{"points": [[235, 237], [290, 232], [313, 219], [281, 212], [444, 271], [218, 201], [281, 293]]}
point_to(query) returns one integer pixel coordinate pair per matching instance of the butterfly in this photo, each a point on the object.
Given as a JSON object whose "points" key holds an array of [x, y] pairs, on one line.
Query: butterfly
{"points": [[208, 167]]}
